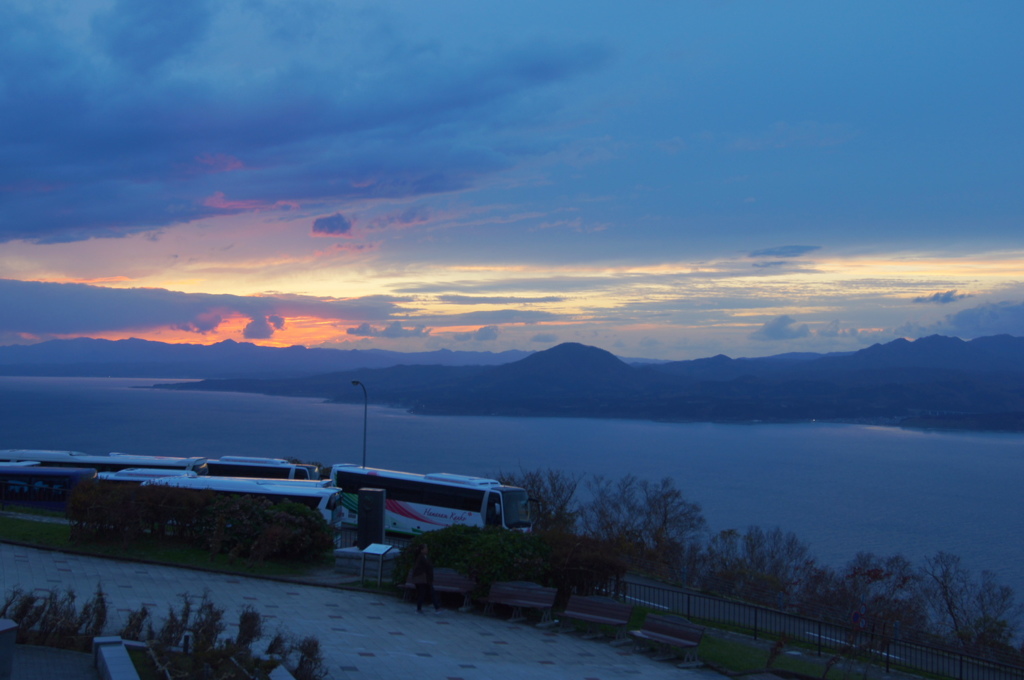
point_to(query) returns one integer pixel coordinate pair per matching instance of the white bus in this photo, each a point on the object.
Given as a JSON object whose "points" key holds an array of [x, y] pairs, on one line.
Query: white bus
{"points": [[268, 468], [110, 462], [138, 475], [415, 504], [315, 494]]}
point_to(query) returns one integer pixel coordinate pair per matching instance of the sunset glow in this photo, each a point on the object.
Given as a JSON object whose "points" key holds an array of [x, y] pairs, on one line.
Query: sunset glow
{"points": [[669, 182]]}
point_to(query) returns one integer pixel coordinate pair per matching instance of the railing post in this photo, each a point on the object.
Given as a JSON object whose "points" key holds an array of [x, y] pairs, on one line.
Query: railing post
{"points": [[921, 656]]}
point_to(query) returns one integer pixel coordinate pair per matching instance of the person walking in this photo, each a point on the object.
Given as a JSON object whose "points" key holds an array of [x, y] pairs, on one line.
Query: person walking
{"points": [[422, 577]]}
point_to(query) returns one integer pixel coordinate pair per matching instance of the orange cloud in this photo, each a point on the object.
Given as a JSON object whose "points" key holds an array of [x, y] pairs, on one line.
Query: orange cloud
{"points": [[91, 281], [305, 330]]}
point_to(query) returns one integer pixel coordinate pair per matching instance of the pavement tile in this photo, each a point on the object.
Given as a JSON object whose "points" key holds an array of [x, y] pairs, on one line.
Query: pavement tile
{"points": [[362, 635]]}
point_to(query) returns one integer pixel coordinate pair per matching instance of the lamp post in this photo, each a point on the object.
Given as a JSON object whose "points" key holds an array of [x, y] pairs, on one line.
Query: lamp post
{"points": [[366, 406]]}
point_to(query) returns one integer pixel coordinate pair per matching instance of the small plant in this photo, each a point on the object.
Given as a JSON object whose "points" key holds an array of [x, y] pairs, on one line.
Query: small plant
{"points": [[94, 614], [27, 611], [135, 624], [13, 595], [175, 624], [775, 651], [207, 625], [59, 620], [54, 620], [310, 664], [250, 627], [278, 646]]}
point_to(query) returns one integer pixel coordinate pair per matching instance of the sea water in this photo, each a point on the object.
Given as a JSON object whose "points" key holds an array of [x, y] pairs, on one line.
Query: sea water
{"points": [[839, 488]]}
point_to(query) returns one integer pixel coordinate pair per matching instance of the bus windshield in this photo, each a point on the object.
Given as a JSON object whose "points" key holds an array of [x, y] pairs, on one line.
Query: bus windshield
{"points": [[517, 508]]}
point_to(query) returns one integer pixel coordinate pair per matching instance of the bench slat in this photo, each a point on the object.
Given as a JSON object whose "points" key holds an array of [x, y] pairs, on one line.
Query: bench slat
{"points": [[522, 596], [597, 611], [671, 631], [450, 581]]}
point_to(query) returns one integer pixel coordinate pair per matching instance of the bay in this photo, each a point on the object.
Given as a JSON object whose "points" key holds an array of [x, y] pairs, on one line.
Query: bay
{"points": [[839, 488]]}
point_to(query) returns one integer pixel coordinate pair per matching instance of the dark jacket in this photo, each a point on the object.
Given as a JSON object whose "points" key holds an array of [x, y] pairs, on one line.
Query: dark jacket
{"points": [[422, 570]]}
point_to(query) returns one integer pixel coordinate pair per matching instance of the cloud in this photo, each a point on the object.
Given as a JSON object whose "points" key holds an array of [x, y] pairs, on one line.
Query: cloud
{"points": [[784, 251], [495, 299], [404, 219], [141, 35], [990, 319], [833, 329], [486, 333], [393, 330], [781, 328], [262, 328], [492, 317], [42, 310], [942, 298], [544, 338], [160, 89], [333, 225], [204, 322]]}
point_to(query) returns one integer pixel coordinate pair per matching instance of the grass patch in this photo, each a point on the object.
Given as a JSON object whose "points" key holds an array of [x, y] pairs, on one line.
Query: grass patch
{"points": [[13, 507], [144, 665], [738, 656], [43, 534]]}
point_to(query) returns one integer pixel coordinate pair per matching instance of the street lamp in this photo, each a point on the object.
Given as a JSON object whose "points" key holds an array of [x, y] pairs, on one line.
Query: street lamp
{"points": [[366, 406]]}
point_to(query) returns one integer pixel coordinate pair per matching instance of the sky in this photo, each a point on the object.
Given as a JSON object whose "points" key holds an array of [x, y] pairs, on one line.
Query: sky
{"points": [[661, 179]]}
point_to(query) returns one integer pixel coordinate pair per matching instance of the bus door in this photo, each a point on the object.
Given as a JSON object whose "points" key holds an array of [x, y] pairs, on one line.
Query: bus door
{"points": [[492, 511]]}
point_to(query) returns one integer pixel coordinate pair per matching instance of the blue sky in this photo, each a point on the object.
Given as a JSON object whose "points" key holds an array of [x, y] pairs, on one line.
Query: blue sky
{"points": [[666, 179]]}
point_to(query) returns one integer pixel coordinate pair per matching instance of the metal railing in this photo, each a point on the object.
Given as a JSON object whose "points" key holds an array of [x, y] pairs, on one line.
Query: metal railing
{"points": [[883, 648]]}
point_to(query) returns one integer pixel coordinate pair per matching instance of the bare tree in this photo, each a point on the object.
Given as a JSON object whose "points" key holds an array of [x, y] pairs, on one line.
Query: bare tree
{"points": [[649, 523], [978, 614], [765, 565], [885, 590], [555, 492], [777, 554]]}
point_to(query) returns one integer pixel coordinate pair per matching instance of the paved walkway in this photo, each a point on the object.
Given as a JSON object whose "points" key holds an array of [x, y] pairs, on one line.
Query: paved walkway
{"points": [[364, 636]]}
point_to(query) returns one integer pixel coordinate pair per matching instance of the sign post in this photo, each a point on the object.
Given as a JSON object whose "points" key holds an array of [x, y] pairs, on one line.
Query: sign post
{"points": [[380, 550]]}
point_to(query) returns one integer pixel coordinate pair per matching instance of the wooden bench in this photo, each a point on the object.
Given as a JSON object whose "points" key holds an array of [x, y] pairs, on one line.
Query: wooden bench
{"points": [[597, 611], [667, 632], [449, 581], [520, 595]]}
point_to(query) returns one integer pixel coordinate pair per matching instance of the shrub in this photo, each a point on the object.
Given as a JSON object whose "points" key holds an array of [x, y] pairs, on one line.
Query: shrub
{"points": [[488, 555], [306, 534], [583, 565], [250, 627], [232, 524], [54, 620], [256, 529], [102, 510], [207, 625], [134, 626], [310, 664]]}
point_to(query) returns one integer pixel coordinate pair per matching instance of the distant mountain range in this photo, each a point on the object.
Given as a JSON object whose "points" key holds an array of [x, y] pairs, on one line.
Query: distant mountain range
{"points": [[88, 357], [936, 381], [932, 382]]}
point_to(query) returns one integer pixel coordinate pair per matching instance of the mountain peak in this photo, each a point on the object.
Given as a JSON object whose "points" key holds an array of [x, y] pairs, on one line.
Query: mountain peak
{"points": [[573, 353], [570, 363]]}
